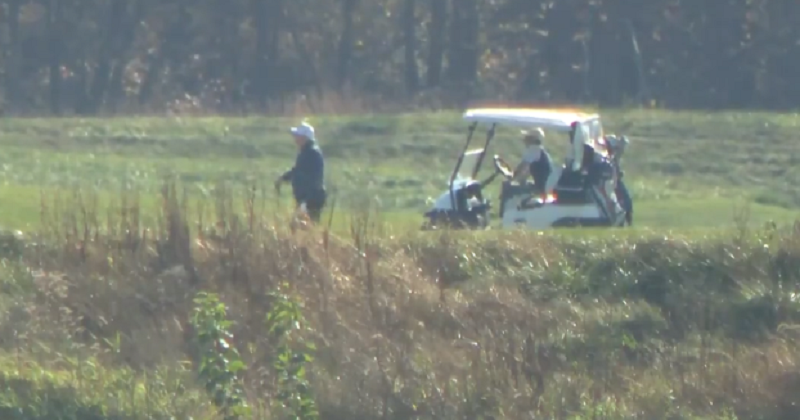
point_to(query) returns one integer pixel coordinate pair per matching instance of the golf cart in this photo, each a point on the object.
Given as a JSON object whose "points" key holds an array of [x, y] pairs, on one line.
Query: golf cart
{"points": [[567, 200]]}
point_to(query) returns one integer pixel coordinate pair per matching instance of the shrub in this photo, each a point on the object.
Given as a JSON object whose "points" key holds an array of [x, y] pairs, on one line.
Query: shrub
{"points": [[434, 325]]}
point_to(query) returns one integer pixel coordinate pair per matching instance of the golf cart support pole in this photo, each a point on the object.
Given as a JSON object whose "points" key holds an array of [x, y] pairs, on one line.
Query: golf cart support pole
{"points": [[458, 164], [489, 137]]}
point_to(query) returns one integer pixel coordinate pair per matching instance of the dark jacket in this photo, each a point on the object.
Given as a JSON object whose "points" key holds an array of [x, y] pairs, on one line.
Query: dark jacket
{"points": [[540, 169], [308, 174]]}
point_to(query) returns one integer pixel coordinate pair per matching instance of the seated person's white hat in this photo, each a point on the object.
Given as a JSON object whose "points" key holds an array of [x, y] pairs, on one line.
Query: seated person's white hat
{"points": [[535, 136]]}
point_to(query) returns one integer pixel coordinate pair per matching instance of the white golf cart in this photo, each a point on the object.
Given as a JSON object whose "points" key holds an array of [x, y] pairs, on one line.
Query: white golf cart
{"points": [[567, 199]]}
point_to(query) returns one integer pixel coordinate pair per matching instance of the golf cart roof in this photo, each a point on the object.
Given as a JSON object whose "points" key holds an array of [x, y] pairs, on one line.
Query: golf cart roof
{"points": [[552, 119]]}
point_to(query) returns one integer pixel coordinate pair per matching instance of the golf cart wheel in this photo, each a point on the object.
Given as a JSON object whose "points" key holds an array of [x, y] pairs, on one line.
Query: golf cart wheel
{"points": [[483, 223], [446, 223]]}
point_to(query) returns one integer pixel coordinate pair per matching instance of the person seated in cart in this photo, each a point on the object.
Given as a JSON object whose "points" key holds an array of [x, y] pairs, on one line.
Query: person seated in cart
{"points": [[535, 160], [582, 156], [598, 171]]}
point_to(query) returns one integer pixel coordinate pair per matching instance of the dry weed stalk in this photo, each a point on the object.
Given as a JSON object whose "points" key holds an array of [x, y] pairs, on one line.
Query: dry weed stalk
{"points": [[389, 344]]}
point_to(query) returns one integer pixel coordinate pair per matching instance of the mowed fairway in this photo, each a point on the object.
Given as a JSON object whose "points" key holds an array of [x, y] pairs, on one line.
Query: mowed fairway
{"points": [[684, 169]]}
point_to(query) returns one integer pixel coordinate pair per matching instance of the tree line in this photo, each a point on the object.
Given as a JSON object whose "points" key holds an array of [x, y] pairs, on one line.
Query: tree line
{"points": [[92, 57]]}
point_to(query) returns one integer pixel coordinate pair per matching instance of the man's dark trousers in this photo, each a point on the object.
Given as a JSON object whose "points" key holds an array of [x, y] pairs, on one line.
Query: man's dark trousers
{"points": [[314, 206]]}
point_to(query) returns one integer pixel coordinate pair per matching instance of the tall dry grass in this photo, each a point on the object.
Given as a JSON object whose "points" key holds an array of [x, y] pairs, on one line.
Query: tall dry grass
{"points": [[441, 325]]}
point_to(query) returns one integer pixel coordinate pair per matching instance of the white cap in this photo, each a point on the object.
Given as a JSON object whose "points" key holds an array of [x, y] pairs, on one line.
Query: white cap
{"points": [[536, 132], [304, 130], [537, 135]]}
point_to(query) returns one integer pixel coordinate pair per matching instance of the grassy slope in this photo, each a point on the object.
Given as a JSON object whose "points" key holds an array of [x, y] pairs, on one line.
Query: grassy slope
{"points": [[501, 325], [570, 325], [686, 169]]}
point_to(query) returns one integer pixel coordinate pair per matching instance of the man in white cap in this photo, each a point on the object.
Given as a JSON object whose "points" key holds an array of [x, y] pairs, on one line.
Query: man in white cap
{"points": [[535, 160], [308, 173]]}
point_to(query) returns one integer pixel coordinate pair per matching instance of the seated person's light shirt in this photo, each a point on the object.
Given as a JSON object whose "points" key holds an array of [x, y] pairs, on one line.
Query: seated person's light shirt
{"points": [[531, 154]]}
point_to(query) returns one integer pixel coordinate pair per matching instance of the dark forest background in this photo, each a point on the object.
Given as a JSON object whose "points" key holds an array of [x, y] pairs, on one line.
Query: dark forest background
{"points": [[91, 57]]}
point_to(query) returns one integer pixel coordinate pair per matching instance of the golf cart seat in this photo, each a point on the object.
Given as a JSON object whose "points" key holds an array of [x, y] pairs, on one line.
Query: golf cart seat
{"points": [[570, 181], [512, 189], [570, 188]]}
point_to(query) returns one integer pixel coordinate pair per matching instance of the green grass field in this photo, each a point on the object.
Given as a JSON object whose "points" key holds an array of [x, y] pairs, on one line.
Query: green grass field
{"points": [[686, 170], [692, 315]]}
